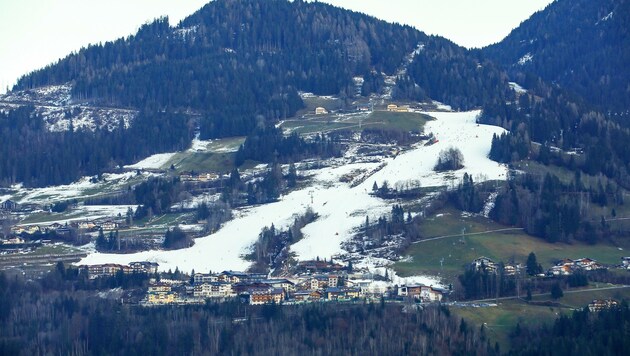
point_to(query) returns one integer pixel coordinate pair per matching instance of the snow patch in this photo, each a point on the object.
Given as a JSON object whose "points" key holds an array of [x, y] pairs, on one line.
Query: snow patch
{"points": [[153, 162], [54, 105], [84, 188], [199, 145], [526, 58], [441, 106], [186, 33], [517, 88], [341, 207], [489, 204], [606, 18]]}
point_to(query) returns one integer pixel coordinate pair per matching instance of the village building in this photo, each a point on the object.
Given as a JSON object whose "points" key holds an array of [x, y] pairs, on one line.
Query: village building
{"points": [[233, 277], [625, 262], [8, 205], [28, 229], [484, 264], [601, 304], [87, 225], [144, 267], [568, 266], [108, 225], [307, 296], [161, 293], [213, 290], [257, 295], [197, 177], [16, 240], [511, 270], [420, 292], [587, 264], [200, 278], [283, 283], [105, 270]]}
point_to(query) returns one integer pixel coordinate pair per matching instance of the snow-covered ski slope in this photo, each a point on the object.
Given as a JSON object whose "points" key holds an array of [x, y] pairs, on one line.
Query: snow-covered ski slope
{"points": [[342, 208]]}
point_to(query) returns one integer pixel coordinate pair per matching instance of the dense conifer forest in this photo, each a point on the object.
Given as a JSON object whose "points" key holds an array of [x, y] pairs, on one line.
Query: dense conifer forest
{"points": [[584, 46]]}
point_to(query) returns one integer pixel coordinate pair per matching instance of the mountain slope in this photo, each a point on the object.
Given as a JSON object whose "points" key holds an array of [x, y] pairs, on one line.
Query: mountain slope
{"points": [[231, 67], [582, 45], [260, 52]]}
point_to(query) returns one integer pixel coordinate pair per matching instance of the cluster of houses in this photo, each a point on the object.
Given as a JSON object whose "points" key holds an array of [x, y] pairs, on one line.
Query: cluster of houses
{"points": [[485, 264], [602, 304], [565, 267], [84, 225], [258, 289], [111, 269], [568, 266], [396, 108], [197, 177]]}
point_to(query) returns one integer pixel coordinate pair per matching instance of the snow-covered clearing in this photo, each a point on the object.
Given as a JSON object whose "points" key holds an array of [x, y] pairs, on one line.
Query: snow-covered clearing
{"points": [[341, 207], [517, 88], [605, 18], [54, 105], [86, 213], [199, 145], [152, 162], [193, 202], [442, 106], [526, 58], [81, 189]]}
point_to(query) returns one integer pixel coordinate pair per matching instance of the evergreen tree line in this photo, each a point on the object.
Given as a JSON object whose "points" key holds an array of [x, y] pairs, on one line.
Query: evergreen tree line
{"points": [[268, 144], [588, 333], [36, 157], [566, 122], [581, 45], [547, 208], [271, 251]]}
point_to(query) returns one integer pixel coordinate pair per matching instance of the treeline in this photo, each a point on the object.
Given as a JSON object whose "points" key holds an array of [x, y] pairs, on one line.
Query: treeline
{"points": [[549, 116], [54, 319], [550, 209], [271, 251], [584, 332], [450, 74], [268, 144], [36, 157], [585, 52]]}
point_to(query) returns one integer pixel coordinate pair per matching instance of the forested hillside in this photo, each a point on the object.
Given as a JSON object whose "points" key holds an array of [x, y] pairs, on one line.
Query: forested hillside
{"points": [[238, 65], [582, 45], [234, 61]]}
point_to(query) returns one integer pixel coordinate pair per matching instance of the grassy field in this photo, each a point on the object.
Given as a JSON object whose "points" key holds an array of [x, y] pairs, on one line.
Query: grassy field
{"points": [[219, 157], [406, 121], [499, 321], [447, 257], [316, 101]]}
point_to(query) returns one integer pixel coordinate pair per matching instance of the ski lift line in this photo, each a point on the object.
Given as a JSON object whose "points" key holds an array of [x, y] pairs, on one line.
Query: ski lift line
{"points": [[468, 234]]}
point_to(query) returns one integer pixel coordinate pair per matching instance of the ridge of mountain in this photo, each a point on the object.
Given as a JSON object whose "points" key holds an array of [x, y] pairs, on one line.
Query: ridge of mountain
{"points": [[584, 46]]}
